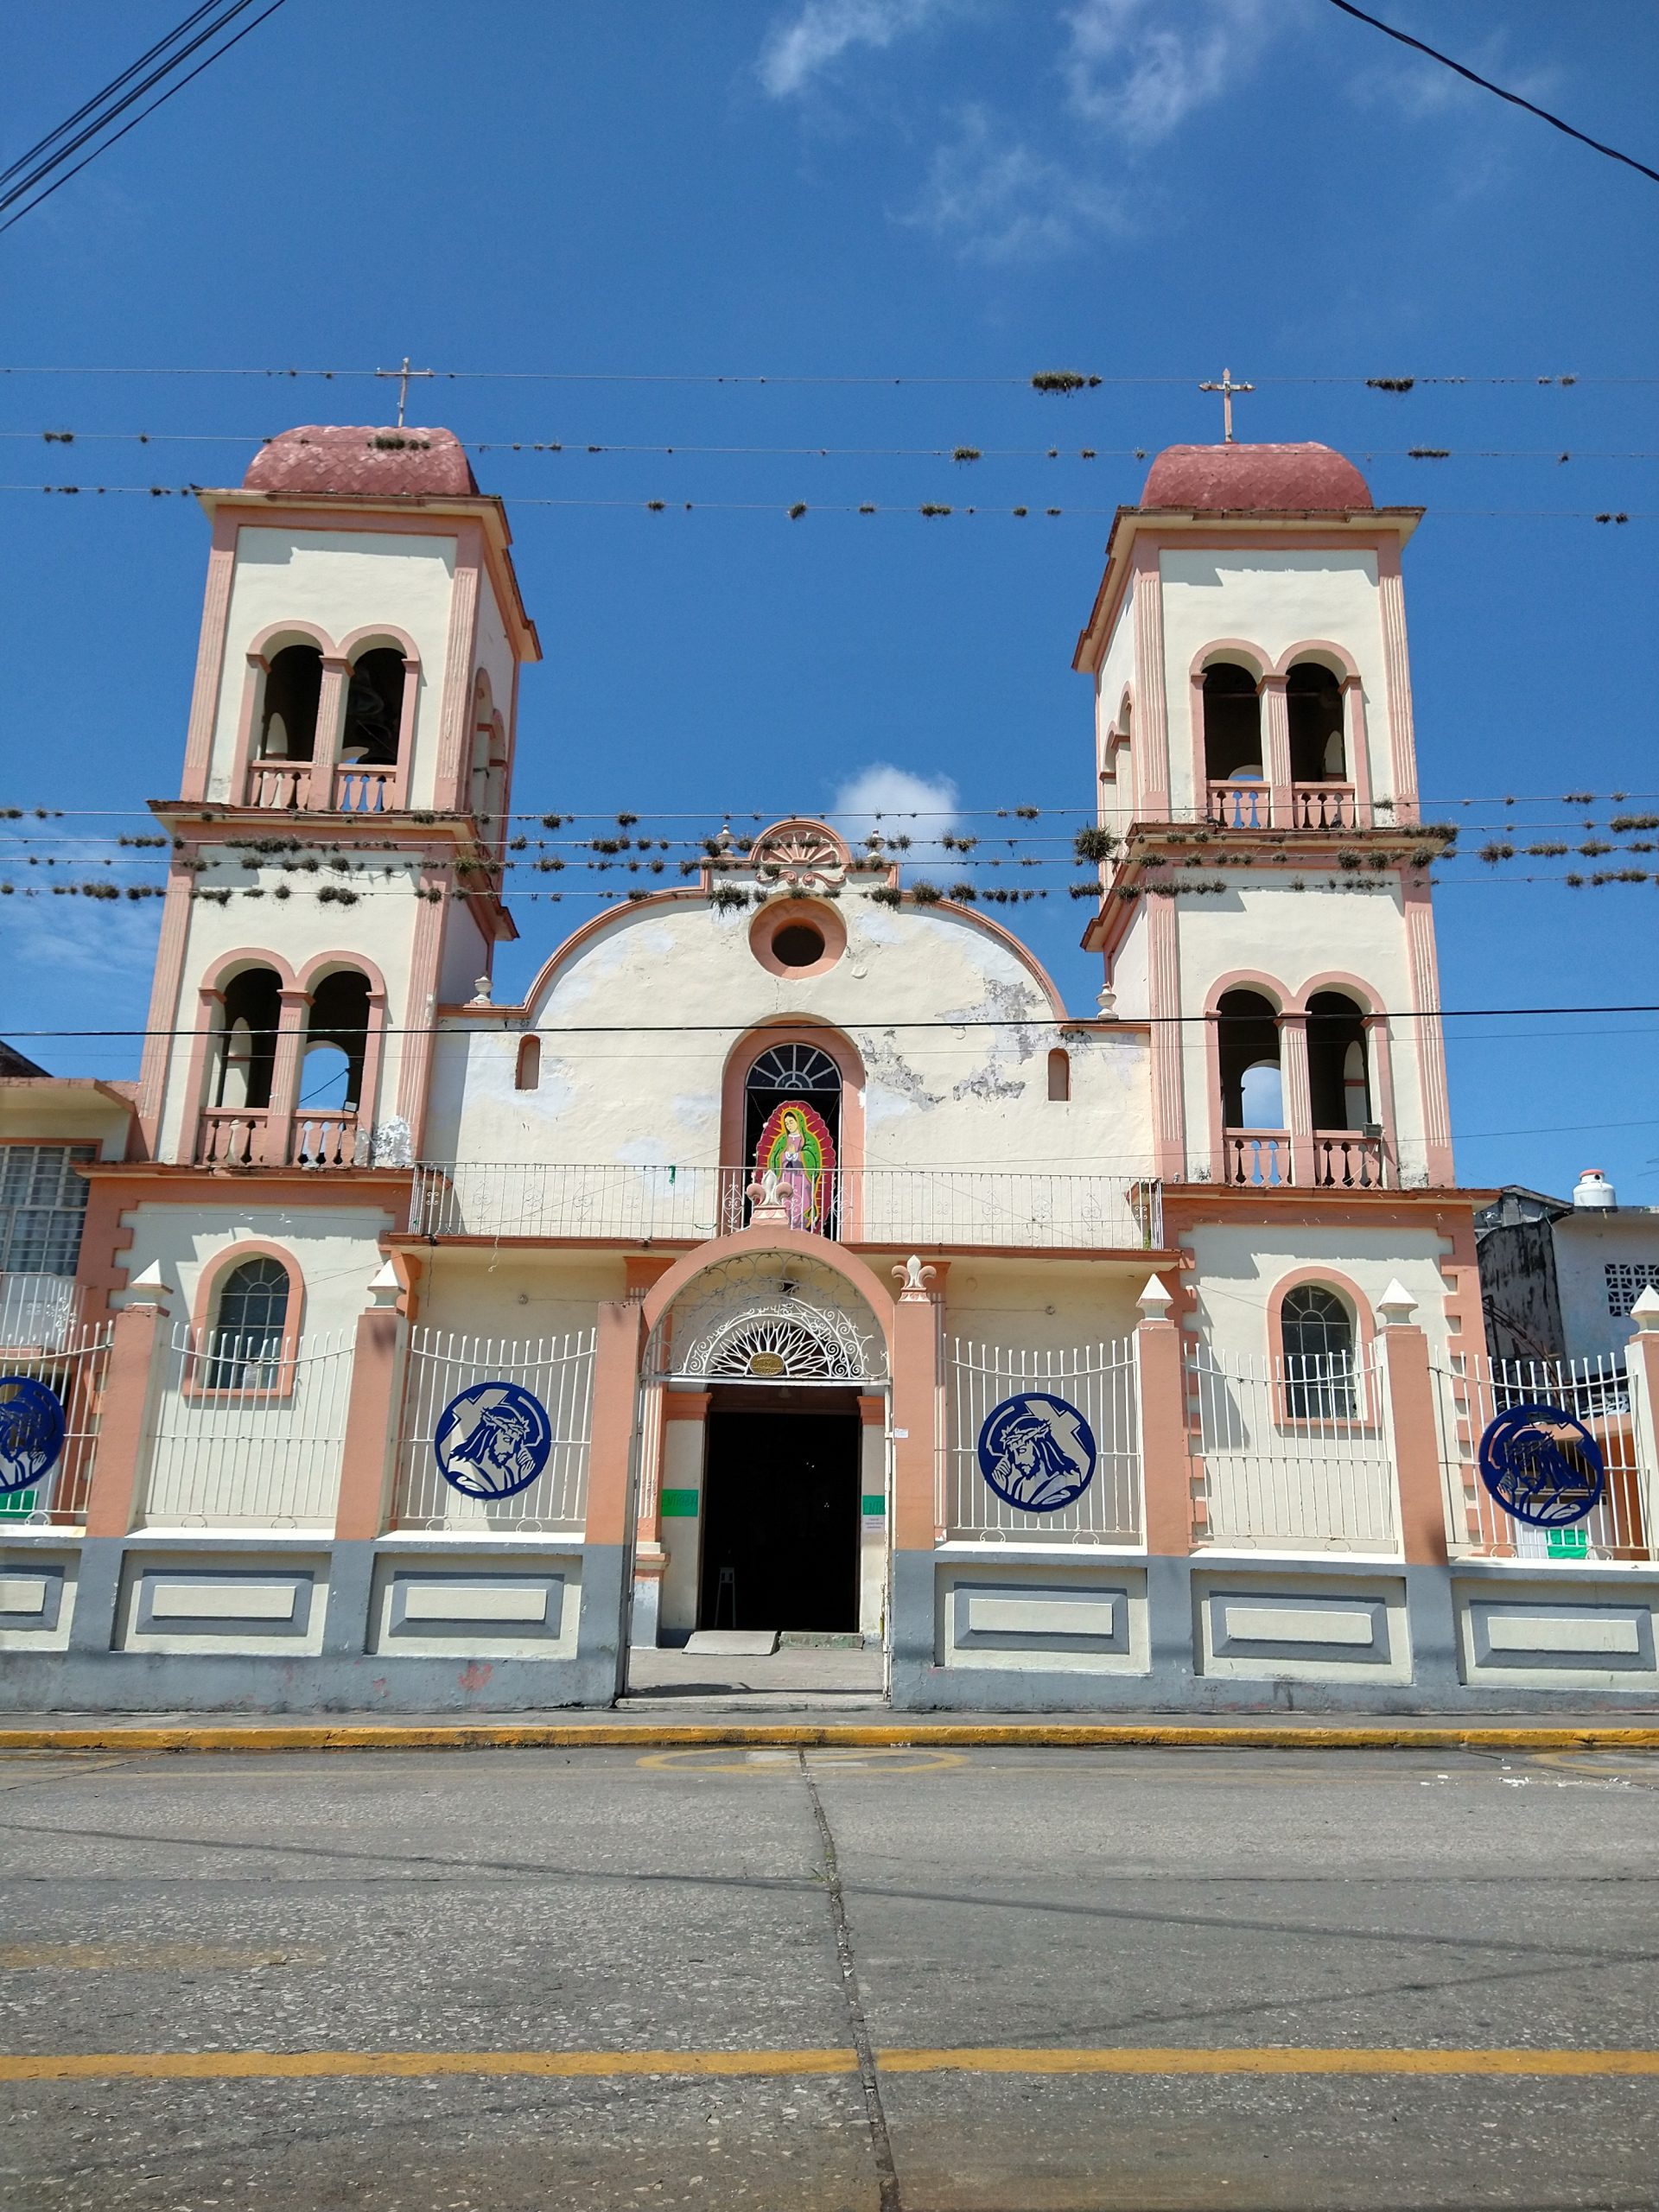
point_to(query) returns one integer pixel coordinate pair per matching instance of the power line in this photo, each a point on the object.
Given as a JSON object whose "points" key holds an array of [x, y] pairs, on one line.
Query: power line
{"points": [[1487, 85], [54, 160], [1397, 384]]}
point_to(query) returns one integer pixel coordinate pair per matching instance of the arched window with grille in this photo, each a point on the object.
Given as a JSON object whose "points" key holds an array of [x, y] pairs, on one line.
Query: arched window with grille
{"points": [[1316, 1330], [244, 1348], [798, 1075]]}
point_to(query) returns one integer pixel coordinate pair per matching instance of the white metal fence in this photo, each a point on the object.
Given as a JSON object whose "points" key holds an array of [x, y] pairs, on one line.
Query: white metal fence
{"points": [[73, 1368], [37, 1311], [1599, 1393], [1294, 1453], [1099, 1380], [921, 1206], [246, 1431], [558, 1370]]}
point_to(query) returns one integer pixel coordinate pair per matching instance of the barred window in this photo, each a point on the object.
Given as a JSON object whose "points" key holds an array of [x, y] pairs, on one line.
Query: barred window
{"points": [[1318, 1340], [247, 1345], [1626, 1281], [42, 1207]]}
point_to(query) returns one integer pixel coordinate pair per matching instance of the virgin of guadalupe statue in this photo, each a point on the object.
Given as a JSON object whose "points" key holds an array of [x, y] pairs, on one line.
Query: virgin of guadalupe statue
{"points": [[798, 1148]]}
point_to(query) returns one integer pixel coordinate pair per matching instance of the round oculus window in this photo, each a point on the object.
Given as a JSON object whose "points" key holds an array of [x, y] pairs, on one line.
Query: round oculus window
{"points": [[797, 944]]}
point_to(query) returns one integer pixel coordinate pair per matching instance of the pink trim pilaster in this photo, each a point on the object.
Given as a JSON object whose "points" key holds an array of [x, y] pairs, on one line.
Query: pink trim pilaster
{"points": [[1357, 744], [1429, 1035], [285, 1074], [371, 1428], [1416, 1443], [1164, 979], [915, 1414], [648, 1521], [210, 660], [1165, 1466], [616, 1372], [1276, 748], [1298, 1096], [113, 1500], [415, 1061], [1149, 756], [452, 790], [164, 1009], [1402, 737], [331, 731]]}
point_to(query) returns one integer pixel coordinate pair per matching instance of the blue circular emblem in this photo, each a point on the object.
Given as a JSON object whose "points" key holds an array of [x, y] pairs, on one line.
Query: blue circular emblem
{"points": [[1037, 1453], [492, 1440], [1542, 1465], [31, 1432]]}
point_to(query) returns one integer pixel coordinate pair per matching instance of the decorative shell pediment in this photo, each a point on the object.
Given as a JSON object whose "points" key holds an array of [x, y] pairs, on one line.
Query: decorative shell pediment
{"points": [[802, 856]]}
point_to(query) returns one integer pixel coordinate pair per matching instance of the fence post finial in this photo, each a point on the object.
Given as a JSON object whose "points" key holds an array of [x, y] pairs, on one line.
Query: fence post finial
{"points": [[1397, 1305], [1154, 1301], [385, 1287], [148, 1288], [1645, 1311]]}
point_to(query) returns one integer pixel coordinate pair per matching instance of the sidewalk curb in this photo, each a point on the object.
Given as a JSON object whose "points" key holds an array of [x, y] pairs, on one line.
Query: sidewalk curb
{"points": [[464, 1736]]}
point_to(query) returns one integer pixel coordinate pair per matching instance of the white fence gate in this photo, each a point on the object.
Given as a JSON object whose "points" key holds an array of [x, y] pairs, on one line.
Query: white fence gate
{"points": [[74, 1371], [1294, 1453], [247, 1431], [1599, 1393], [557, 1370], [1099, 1380]]}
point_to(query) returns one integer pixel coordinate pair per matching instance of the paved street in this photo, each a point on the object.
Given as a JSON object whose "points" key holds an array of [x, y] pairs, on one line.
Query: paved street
{"points": [[482, 1980]]}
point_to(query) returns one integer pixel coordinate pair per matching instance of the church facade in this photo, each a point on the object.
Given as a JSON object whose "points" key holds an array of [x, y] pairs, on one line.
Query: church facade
{"points": [[792, 1257]]}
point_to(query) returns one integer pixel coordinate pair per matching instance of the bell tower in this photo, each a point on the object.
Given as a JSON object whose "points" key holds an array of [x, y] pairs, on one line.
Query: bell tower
{"points": [[342, 814], [1265, 899]]}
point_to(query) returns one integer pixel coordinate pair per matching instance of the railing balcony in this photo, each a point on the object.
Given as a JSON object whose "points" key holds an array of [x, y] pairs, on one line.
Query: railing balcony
{"points": [[287, 786], [365, 790], [281, 784], [38, 1313], [1345, 1160], [1241, 804], [324, 1141], [1257, 1160], [1324, 807], [231, 1136], [925, 1208]]}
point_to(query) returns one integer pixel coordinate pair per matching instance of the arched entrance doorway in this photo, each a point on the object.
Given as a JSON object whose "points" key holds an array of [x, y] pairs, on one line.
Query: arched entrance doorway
{"points": [[771, 1372]]}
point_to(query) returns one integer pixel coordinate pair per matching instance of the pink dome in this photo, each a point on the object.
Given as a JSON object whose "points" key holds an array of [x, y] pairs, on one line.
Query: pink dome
{"points": [[1263, 479], [362, 463]]}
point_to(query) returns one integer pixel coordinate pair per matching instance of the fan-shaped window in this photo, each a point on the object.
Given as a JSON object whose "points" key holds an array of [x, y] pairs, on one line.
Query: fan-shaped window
{"points": [[1232, 724], [1313, 706], [374, 710], [1318, 1333], [288, 721], [245, 1343]]}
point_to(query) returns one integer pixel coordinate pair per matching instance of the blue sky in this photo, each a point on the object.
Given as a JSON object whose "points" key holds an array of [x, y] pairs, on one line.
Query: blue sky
{"points": [[957, 192]]}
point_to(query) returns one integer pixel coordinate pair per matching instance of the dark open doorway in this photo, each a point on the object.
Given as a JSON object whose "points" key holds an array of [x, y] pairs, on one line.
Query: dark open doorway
{"points": [[781, 1515]]}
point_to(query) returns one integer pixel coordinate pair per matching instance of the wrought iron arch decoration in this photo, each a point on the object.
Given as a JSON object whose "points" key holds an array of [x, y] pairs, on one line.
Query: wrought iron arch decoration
{"points": [[794, 1067], [764, 1318]]}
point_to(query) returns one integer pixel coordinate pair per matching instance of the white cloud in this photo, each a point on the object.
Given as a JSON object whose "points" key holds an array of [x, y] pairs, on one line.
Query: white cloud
{"points": [[1000, 201], [819, 32], [898, 804], [1139, 68]]}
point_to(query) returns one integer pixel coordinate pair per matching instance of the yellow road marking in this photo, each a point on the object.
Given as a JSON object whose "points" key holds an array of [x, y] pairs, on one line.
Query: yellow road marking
{"points": [[376, 1736], [152, 1958], [773, 1760], [408, 2065]]}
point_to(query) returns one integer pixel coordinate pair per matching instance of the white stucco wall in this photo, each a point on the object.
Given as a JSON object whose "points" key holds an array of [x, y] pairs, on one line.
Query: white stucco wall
{"points": [[1239, 1268], [1586, 1242], [337, 1249], [1274, 599], [341, 581], [950, 1095]]}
